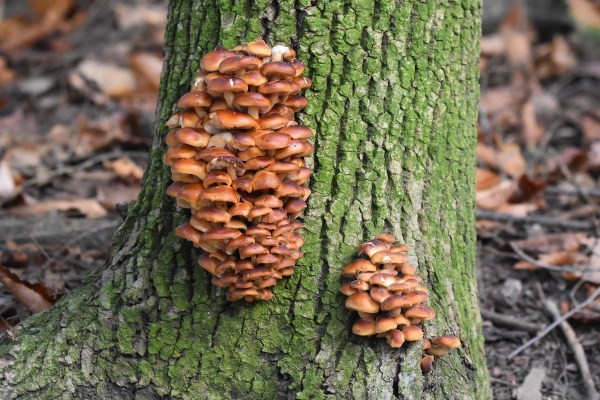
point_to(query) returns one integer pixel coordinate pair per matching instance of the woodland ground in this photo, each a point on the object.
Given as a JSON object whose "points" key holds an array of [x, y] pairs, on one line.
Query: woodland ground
{"points": [[77, 97]]}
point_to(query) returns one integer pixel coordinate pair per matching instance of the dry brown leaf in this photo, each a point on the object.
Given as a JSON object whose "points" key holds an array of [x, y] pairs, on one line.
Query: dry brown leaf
{"points": [[554, 242], [147, 66], [101, 134], [511, 160], [125, 168], [555, 58], [486, 155], [8, 186], [517, 36], [140, 14], [112, 193], [6, 74], [585, 12], [590, 127], [486, 179], [492, 45], [593, 275], [518, 210], [36, 297], [90, 208], [495, 197], [533, 130], [556, 259], [111, 79]]}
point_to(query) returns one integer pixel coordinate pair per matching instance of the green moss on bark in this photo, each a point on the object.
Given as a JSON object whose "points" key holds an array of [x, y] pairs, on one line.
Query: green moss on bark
{"points": [[393, 103]]}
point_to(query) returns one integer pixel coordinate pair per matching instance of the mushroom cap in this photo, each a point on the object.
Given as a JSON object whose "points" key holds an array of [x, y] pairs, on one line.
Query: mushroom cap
{"points": [[242, 265], [227, 119], [358, 266], [216, 177], [384, 323], [298, 66], [238, 294], [221, 163], [448, 341], [379, 294], [238, 242], [382, 279], [250, 153], [209, 153], [282, 110], [272, 141], [189, 166], [296, 147], [212, 214], [362, 302], [386, 238], [253, 249], [296, 103], [360, 285], [295, 205], [400, 319], [412, 333], [395, 338], [438, 351], [208, 263], [192, 136], [276, 87], [220, 193], [221, 234], [269, 200], [273, 121], [258, 48], [240, 209], [387, 257], [195, 99], [421, 312], [426, 363], [258, 211], [283, 166], [303, 82], [267, 259], [251, 99], [417, 296], [174, 188], [223, 84], [256, 273], [364, 327], [265, 180], [407, 269], [211, 61], [399, 248], [187, 231], [371, 247], [180, 151], [235, 63], [254, 78], [259, 163], [278, 69], [396, 301]]}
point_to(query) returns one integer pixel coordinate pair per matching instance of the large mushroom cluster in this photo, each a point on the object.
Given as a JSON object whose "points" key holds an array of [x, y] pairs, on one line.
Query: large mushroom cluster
{"points": [[237, 161], [389, 298]]}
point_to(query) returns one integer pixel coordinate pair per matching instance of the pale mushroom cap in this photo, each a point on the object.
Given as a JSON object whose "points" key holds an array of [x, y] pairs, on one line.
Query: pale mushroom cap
{"points": [[364, 328], [384, 323], [358, 266], [412, 333], [448, 341], [362, 302]]}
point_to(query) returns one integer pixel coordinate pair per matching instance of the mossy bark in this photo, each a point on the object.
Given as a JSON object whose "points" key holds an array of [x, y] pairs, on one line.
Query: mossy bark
{"points": [[394, 105]]}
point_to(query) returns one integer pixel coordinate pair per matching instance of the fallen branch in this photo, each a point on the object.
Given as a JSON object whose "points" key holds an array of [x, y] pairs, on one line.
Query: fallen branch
{"points": [[577, 348], [535, 219], [553, 325], [556, 268], [505, 320]]}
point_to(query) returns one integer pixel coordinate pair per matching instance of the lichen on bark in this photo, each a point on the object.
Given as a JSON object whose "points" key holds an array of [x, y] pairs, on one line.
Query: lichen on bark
{"points": [[393, 102]]}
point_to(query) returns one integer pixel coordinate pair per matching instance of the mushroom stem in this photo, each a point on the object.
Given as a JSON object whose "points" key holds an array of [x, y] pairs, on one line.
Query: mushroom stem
{"points": [[253, 112], [228, 96], [231, 171]]}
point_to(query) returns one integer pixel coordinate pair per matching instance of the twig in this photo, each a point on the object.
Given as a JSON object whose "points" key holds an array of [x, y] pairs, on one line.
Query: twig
{"points": [[553, 325], [553, 190], [575, 345], [541, 264], [535, 219], [82, 165], [505, 320]]}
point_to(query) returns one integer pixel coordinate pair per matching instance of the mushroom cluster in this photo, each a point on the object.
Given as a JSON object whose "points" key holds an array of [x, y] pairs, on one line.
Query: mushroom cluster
{"points": [[237, 161], [389, 297]]}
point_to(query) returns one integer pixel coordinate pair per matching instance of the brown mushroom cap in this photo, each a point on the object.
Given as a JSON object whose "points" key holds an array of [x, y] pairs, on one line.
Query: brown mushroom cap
{"points": [[358, 266], [296, 103], [221, 234], [236, 63], [426, 363], [362, 302], [387, 257], [272, 141], [386, 238], [216, 177], [195, 99], [379, 294], [395, 338], [192, 136], [448, 341], [412, 333], [438, 351], [252, 250], [220, 193], [360, 285], [208, 263], [187, 231], [251, 99], [273, 121], [212, 214], [254, 78], [258, 48], [420, 311], [227, 119], [265, 180], [364, 328], [278, 69], [224, 84], [211, 61], [384, 323], [396, 301]]}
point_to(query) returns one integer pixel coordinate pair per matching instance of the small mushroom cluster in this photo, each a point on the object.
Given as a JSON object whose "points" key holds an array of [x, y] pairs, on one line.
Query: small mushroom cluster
{"points": [[388, 296], [237, 161]]}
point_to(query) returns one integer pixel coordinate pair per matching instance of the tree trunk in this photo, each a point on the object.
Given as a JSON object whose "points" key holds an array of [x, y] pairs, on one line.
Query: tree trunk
{"points": [[394, 104]]}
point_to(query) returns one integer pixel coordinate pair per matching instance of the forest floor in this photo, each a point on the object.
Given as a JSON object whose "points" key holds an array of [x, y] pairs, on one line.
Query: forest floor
{"points": [[63, 174]]}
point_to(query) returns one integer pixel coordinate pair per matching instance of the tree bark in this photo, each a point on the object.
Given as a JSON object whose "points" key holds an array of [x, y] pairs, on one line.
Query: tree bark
{"points": [[394, 105]]}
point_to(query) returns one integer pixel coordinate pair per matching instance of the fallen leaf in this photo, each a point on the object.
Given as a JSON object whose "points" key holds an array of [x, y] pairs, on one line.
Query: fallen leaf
{"points": [[125, 168], [7, 75], [36, 297], [533, 130], [492, 45], [112, 193], [486, 179], [590, 127], [104, 133], [511, 160], [516, 32], [531, 387], [556, 259], [555, 58], [593, 275], [147, 66], [140, 14], [554, 242], [496, 196], [88, 207], [518, 210], [111, 79], [585, 12], [486, 155], [8, 186]]}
